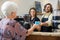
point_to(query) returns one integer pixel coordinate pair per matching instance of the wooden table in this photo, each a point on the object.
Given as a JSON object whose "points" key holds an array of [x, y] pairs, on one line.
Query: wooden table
{"points": [[44, 36]]}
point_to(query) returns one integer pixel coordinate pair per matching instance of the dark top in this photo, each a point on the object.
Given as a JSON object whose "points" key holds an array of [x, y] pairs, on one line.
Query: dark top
{"points": [[34, 19]]}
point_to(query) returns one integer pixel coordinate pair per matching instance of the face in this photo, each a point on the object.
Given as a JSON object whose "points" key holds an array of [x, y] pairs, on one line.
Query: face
{"points": [[13, 15], [32, 12], [47, 9]]}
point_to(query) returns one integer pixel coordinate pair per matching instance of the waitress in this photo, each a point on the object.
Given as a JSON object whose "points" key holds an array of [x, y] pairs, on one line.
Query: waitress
{"points": [[46, 20], [33, 16]]}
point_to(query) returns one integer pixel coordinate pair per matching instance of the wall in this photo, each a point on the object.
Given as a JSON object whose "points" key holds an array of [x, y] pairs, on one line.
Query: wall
{"points": [[24, 5]]}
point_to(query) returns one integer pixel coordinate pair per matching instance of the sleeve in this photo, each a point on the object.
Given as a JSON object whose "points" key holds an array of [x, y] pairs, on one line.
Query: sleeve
{"points": [[20, 30], [36, 19], [49, 20]]}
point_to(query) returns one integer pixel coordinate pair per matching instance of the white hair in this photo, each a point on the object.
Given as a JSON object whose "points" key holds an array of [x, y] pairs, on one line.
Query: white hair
{"points": [[9, 7]]}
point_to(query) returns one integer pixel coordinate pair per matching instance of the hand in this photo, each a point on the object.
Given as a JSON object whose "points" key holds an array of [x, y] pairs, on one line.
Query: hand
{"points": [[37, 27]]}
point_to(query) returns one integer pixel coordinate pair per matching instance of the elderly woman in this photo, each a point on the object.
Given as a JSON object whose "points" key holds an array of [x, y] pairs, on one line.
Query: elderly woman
{"points": [[9, 28]]}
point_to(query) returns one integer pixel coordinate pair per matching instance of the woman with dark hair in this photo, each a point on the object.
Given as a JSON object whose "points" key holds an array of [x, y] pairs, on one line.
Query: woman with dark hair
{"points": [[46, 19], [49, 8], [33, 16]]}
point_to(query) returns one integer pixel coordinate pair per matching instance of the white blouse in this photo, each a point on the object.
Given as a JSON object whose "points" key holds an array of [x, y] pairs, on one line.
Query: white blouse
{"points": [[49, 16]]}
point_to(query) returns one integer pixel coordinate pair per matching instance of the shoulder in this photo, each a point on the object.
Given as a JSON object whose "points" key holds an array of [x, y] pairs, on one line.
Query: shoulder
{"points": [[51, 15], [37, 19], [14, 23]]}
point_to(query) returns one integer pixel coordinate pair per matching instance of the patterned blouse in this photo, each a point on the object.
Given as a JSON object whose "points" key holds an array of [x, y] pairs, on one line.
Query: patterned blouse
{"points": [[11, 30]]}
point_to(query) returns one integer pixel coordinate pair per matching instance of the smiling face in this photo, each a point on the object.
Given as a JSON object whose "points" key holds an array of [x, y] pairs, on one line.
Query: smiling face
{"points": [[32, 13], [47, 8], [12, 15]]}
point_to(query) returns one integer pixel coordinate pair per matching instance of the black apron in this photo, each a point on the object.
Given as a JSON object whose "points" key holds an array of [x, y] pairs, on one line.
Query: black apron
{"points": [[44, 28]]}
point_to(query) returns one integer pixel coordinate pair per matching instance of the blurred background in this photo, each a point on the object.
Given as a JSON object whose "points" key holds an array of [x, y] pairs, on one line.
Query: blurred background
{"points": [[25, 5]]}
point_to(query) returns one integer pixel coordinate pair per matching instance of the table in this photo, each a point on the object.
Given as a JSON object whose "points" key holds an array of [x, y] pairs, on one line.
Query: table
{"points": [[44, 36]]}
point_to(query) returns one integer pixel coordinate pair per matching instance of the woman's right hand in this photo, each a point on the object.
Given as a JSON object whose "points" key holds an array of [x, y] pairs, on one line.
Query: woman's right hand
{"points": [[38, 27]]}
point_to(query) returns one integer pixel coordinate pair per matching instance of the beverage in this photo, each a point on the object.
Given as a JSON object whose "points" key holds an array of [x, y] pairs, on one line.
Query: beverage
{"points": [[37, 22]]}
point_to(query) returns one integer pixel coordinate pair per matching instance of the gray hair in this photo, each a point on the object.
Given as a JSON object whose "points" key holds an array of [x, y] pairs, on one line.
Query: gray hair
{"points": [[9, 7]]}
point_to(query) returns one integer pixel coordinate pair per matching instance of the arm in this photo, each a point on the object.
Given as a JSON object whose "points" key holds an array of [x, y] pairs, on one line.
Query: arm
{"points": [[47, 23], [32, 29], [44, 24]]}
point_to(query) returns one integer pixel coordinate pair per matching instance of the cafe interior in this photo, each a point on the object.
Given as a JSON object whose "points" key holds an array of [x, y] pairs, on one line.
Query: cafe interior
{"points": [[23, 17]]}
